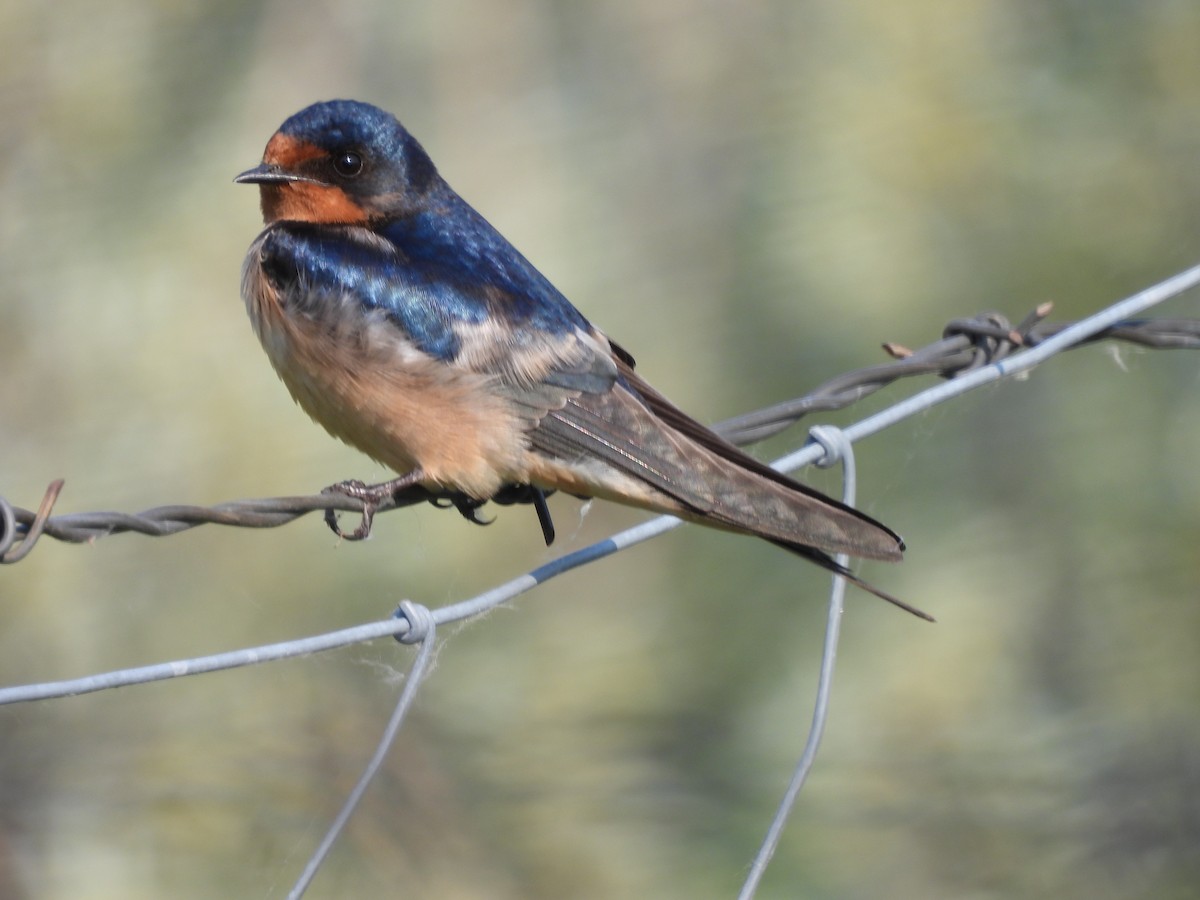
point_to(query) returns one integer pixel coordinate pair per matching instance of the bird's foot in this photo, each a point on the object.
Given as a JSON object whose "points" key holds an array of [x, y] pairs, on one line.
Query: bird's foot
{"points": [[468, 507], [371, 495]]}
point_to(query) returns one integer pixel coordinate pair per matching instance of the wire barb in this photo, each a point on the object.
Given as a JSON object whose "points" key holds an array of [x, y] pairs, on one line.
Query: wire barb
{"points": [[10, 551], [966, 345]]}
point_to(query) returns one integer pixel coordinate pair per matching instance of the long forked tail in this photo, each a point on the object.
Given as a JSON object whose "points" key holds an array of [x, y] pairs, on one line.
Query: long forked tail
{"points": [[825, 561]]}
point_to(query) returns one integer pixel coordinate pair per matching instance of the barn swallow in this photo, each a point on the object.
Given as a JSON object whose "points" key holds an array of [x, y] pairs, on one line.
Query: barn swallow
{"points": [[406, 325]]}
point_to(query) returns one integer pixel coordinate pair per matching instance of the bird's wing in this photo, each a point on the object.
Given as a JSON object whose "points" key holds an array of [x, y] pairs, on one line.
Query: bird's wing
{"points": [[681, 422], [583, 413], [593, 407]]}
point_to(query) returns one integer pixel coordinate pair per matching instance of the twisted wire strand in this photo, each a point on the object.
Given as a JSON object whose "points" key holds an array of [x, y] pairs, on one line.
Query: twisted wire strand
{"points": [[966, 345]]}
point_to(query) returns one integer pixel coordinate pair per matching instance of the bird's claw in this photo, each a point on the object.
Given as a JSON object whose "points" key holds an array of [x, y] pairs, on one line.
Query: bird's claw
{"points": [[370, 501], [372, 496]]}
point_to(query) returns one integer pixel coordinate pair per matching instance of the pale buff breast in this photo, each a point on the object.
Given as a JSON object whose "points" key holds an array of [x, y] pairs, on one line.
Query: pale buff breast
{"points": [[355, 374]]}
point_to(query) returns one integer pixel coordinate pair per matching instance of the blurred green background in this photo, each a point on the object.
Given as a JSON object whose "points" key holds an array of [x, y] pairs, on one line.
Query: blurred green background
{"points": [[751, 196]]}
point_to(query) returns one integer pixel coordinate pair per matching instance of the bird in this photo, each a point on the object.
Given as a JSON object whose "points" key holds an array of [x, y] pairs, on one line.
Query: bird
{"points": [[408, 327]]}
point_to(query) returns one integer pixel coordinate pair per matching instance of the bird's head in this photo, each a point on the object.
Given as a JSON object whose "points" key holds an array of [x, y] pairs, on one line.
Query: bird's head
{"points": [[341, 162]]}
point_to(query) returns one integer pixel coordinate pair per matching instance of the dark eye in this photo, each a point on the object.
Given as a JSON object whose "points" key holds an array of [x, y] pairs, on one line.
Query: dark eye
{"points": [[347, 163]]}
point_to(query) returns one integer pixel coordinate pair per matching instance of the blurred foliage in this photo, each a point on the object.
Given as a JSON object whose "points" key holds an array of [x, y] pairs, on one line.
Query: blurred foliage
{"points": [[751, 196]]}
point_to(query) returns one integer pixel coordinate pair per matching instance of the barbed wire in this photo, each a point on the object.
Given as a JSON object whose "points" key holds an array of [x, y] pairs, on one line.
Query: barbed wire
{"points": [[971, 353], [966, 345]]}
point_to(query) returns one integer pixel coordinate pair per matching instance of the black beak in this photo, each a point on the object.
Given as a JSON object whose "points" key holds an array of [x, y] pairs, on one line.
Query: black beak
{"points": [[265, 173]]}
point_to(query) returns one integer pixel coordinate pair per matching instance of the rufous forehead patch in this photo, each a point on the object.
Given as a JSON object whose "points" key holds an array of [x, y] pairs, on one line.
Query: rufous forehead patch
{"points": [[288, 152]]}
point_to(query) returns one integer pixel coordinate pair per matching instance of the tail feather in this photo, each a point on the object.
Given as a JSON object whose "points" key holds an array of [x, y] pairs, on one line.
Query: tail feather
{"points": [[827, 562]]}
